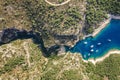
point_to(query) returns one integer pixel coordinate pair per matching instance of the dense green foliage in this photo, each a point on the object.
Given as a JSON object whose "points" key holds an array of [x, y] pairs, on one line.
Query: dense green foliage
{"points": [[110, 68], [97, 11], [52, 19]]}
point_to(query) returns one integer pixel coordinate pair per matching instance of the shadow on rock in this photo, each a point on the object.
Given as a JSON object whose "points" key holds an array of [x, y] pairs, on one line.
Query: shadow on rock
{"points": [[11, 34]]}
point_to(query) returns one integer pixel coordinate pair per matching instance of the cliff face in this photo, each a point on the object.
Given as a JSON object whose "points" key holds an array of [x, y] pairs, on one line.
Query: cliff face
{"points": [[61, 25], [21, 59], [65, 21], [51, 21]]}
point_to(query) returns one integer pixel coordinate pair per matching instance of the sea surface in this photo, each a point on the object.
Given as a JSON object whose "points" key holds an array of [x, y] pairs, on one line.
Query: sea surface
{"points": [[99, 45]]}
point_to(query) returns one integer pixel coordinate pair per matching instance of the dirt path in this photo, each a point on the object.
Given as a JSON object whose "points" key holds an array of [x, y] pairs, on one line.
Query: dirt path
{"points": [[57, 4], [25, 46]]}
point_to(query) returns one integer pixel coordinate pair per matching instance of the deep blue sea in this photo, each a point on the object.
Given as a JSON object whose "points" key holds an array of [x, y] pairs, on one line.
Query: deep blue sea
{"points": [[104, 41]]}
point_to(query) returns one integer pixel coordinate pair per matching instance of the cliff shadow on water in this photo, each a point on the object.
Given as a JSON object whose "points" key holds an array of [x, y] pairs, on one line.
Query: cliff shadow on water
{"points": [[10, 34]]}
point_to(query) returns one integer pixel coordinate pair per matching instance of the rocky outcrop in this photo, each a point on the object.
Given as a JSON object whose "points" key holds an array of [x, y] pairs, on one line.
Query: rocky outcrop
{"points": [[11, 34]]}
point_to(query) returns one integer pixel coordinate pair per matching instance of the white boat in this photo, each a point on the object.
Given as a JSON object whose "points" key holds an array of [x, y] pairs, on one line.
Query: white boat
{"points": [[109, 40], [98, 43], [96, 50], [92, 46], [85, 42], [84, 56], [92, 50], [88, 54]]}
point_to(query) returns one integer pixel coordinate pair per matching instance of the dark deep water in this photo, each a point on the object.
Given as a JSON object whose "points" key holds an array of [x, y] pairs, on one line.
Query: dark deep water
{"points": [[98, 46]]}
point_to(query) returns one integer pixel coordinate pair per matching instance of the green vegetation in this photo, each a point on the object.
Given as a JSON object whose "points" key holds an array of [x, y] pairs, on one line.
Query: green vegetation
{"points": [[97, 11], [48, 18], [60, 1], [108, 68], [11, 64], [68, 66], [70, 75], [12, 15]]}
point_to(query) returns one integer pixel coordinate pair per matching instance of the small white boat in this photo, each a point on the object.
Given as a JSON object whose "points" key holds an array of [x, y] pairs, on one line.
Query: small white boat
{"points": [[96, 50], [92, 46], [98, 43], [84, 56], [85, 42], [109, 40], [88, 54], [92, 50]]}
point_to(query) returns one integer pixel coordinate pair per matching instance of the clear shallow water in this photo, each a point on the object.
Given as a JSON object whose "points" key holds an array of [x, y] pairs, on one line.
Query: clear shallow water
{"points": [[98, 46]]}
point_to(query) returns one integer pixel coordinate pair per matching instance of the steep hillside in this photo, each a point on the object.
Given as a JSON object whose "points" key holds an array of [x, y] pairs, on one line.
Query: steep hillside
{"points": [[64, 25]]}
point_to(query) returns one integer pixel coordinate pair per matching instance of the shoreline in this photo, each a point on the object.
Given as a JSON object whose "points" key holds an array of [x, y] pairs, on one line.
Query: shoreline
{"points": [[102, 26], [113, 51], [115, 17], [104, 56]]}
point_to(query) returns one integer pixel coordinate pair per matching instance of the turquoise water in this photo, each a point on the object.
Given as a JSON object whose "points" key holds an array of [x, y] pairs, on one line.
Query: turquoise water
{"points": [[98, 46]]}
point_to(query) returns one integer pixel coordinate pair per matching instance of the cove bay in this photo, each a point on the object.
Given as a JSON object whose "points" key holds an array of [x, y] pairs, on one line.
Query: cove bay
{"points": [[95, 47]]}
